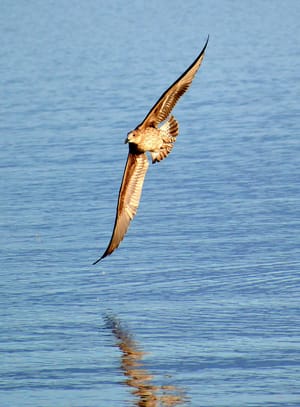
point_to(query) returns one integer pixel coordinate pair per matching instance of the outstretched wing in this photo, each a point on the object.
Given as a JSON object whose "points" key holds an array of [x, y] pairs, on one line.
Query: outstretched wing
{"points": [[129, 198], [163, 107]]}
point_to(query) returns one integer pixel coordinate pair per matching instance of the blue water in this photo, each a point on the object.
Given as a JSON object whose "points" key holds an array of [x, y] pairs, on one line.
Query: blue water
{"points": [[206, 283]]}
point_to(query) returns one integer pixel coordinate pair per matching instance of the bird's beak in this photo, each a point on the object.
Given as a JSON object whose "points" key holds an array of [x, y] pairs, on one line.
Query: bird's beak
{"points": [[128, 138]]}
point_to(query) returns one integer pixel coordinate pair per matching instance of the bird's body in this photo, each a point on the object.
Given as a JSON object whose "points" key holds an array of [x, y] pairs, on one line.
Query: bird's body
{"points": [[148, 137], [157, 141]]}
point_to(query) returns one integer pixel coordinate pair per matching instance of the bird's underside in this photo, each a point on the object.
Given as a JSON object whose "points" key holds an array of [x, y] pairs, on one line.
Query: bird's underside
{"points": [[156, 135]]}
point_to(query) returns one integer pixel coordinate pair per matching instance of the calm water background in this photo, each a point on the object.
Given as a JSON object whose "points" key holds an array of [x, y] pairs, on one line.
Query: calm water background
{"points": [[207, 278]]}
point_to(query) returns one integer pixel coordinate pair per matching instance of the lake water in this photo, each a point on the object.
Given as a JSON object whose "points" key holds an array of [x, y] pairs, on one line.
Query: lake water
{"points": [[200, 304]]}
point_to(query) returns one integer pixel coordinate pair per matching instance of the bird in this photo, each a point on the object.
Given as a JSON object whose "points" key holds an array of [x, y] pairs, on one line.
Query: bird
{"points": [[156, 134]]}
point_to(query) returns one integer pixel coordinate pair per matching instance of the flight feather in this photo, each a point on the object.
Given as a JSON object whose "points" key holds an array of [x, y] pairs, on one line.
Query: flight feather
{"points": [[163, 107], [129, 198]]}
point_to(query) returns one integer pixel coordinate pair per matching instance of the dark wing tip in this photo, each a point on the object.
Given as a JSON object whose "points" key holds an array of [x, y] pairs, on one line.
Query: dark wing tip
{"points": [[97, 261], [205, 45]]}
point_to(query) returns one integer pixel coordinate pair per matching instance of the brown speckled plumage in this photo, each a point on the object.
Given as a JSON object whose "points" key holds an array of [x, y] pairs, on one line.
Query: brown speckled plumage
{"points": [[159, 141]]}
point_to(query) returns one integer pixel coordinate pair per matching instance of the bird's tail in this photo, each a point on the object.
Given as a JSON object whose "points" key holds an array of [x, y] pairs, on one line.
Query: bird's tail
{"points": [[169, 131]]}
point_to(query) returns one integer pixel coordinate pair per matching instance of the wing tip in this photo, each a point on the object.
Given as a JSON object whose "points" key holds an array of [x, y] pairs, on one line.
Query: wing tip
{"points": [[107, 252], [205, 45], [98, 260]]}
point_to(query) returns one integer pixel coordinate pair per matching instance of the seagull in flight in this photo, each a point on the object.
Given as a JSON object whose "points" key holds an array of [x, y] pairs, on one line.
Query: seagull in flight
{"points": [[155, 134]]}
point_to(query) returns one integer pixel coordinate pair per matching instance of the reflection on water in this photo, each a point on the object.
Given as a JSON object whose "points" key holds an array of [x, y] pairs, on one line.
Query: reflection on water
{"points": [[139, 379]]}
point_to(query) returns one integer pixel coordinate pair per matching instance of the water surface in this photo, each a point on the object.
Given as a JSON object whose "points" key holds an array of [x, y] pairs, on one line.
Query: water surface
{"points": [[207, 279]]}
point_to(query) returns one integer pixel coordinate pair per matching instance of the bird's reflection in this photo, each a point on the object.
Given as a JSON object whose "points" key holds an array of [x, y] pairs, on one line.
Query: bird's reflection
{"points": [[139, 379]]}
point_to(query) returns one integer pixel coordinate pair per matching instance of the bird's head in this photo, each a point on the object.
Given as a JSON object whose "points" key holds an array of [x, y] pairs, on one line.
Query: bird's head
{"points": [[132, 137]]}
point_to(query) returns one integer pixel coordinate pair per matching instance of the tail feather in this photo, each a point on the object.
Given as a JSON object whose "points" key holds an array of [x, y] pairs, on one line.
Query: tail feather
{"points": [[169, 131]]}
